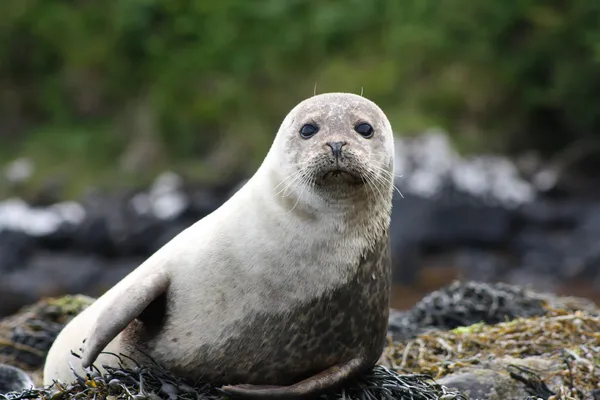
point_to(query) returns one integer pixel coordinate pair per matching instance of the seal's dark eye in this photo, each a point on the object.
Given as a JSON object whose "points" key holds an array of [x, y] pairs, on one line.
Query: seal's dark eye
{"points": [[365, 130], [308, 131]]}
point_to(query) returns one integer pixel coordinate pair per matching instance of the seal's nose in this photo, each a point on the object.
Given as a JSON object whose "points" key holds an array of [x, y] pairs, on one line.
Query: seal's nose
{"points": [[336, 148]]}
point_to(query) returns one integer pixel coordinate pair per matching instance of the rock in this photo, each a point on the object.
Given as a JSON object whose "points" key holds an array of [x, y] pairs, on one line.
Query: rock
{"points": [[464, 304], [15, 214], [26, 337], [550, 214], [502, 378], [427, 165], [13, 379], [114, 271], [13, 299], [409, 218], [54, 273], [51, 274], [15, 249], [480, 265], [19, 171], [485, 384], [542, 356]]}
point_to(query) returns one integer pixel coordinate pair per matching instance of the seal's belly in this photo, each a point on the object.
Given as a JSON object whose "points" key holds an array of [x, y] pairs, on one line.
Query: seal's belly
{"points": [[281, 347], [265, 330]]}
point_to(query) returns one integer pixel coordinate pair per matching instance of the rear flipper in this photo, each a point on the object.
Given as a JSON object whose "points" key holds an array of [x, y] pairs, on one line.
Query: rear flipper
{"points": [[308, 388]]}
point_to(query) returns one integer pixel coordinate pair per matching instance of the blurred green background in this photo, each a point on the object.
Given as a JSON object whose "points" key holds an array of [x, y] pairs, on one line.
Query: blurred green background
{"points": [[91, 88]]}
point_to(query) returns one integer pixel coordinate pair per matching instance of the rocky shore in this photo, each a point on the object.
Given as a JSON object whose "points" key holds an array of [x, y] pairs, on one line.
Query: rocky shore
{"points": [[468, 340]]}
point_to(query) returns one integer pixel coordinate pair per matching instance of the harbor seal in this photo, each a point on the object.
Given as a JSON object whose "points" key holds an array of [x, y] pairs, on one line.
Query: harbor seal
{"points": [[283, 291]]}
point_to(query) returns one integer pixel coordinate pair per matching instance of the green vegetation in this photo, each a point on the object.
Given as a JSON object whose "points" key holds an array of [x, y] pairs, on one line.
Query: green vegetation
{"points": [[89, 88]]}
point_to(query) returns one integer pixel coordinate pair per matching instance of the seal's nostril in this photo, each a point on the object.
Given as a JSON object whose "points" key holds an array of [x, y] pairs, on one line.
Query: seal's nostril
{"points": [[336, 148]]}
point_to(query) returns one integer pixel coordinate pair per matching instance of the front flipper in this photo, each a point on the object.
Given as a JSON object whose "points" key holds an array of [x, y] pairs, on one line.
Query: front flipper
{"points": [[328, 379], [123, 309]]}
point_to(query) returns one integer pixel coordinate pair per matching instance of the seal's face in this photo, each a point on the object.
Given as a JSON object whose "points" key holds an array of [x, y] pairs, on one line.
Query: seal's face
{"points": [[339, 140]]}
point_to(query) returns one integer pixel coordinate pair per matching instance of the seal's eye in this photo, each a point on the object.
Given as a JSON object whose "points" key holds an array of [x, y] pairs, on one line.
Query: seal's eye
{"points": [[365, 130], [308, 131]]}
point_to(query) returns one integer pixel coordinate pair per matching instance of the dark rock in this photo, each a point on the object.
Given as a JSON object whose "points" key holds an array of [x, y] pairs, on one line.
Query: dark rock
{"points": [[463, 224], [444, 222], [410, 215], [589, 222], [112, 274], [53, 273], [527, 277], [464, 304], [551, 215], [26, 337], [485, 384], [13, 298], [480, 265], [15, 249], [13, 379]]}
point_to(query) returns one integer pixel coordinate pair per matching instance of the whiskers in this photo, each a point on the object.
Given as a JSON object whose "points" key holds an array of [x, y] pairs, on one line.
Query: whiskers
{"points": [[375, 178], [302, 177], [379, 176]]}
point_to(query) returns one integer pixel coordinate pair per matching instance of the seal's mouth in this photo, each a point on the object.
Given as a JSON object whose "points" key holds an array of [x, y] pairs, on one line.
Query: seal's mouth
{"points": [[340, 176]]}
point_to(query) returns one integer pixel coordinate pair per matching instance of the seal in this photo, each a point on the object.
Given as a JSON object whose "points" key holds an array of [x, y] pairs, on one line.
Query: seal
{"points": [[281, 292]]}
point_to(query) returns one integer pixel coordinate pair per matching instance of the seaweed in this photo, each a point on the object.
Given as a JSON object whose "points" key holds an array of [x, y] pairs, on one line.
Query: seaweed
{"points": [[150, 381], [569, 342], [464, 325], [467, 303]]}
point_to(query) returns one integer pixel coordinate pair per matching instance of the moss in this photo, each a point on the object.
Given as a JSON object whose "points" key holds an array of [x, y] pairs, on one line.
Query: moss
{"points": [[468, 329], [71, 305]]}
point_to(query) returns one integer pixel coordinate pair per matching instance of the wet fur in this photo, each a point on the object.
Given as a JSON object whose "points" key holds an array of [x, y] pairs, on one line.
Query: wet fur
{"points": [[278, 284]]}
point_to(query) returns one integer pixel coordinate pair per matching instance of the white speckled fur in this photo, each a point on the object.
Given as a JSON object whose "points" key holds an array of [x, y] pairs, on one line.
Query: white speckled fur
{"points": [[218, 266]]}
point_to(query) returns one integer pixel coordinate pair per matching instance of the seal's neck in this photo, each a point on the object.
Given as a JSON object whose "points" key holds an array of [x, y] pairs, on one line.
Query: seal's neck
{"points": [[333, 212]]}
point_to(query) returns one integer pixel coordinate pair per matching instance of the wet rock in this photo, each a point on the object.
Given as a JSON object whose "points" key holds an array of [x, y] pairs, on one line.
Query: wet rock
{"points": [[19, 171], [485, 384], [467, 303], [114, 271], [410, 216], [504, 378], [541, 356], [59, 273], [428, 165], [17, 215], [26, 337], [13, 379], [12, 298], [15, 249], [481, 265], [53, 273]]}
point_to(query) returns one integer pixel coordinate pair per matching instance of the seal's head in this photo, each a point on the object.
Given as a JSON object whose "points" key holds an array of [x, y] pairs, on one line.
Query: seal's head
{"points": [[337, 143]]}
